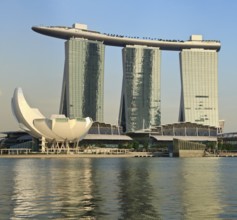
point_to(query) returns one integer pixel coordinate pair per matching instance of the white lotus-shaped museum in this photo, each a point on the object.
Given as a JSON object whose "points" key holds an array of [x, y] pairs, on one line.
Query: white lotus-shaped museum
{"points": [[56, 128]]}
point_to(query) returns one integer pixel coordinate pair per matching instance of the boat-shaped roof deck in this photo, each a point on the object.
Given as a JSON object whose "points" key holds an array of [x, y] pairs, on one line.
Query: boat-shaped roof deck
{"points": [[66, 33]]}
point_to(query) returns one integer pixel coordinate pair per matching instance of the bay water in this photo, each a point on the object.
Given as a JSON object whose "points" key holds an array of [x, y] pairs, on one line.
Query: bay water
{"points": [[118, 188]]}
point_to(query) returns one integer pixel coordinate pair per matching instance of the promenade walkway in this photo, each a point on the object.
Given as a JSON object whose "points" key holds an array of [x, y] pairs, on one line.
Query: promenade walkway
{"points": [[15, 151]]}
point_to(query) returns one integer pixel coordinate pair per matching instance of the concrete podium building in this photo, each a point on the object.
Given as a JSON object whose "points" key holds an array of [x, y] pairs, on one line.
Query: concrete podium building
{"points": [[141, 99]]}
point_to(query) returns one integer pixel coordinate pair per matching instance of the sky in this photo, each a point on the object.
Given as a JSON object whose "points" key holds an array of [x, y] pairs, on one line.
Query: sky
{"points": [[35, 62]]}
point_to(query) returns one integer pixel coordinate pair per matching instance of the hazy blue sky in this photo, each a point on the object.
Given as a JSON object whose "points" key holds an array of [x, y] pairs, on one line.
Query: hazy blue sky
{"points": [[35, 62]]}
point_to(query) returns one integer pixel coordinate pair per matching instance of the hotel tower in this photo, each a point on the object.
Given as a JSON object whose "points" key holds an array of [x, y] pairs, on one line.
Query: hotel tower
{"points": [[199, 86], [83, 80], [140, 101]]}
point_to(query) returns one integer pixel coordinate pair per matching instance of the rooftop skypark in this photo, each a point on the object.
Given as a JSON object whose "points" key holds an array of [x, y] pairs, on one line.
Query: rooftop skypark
{"points": [[81, 31]]}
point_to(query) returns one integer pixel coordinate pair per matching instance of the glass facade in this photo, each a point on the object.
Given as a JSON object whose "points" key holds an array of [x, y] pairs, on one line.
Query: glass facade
{"points": [[140, 101], [199, 87], [83, 81]]}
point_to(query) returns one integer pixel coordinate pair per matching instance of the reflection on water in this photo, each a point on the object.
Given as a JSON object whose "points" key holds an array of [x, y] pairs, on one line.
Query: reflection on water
{"points": [[51, 188], [136, 192], [200, 194], [119, 188]]}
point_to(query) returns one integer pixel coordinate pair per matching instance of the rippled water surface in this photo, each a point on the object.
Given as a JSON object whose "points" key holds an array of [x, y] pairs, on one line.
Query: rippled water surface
{"points": [[118, 188]]}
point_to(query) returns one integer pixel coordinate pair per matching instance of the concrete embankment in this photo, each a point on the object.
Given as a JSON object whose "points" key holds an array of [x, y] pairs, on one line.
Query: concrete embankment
{"points": [[80, 155], [66, 155], [191, 153]]}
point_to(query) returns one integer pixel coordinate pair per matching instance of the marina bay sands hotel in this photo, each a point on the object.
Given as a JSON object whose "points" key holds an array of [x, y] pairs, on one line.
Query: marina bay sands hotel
{"points": [[83, 81]]}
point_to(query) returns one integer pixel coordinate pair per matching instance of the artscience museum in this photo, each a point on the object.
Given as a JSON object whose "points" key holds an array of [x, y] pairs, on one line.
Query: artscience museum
{"points": [[57, 131]]}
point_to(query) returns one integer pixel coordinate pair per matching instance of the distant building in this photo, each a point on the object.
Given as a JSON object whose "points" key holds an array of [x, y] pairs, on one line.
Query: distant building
{"points": [[17, 139], [140, 101], [199, 87], [83, 80], [228, 139]]}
